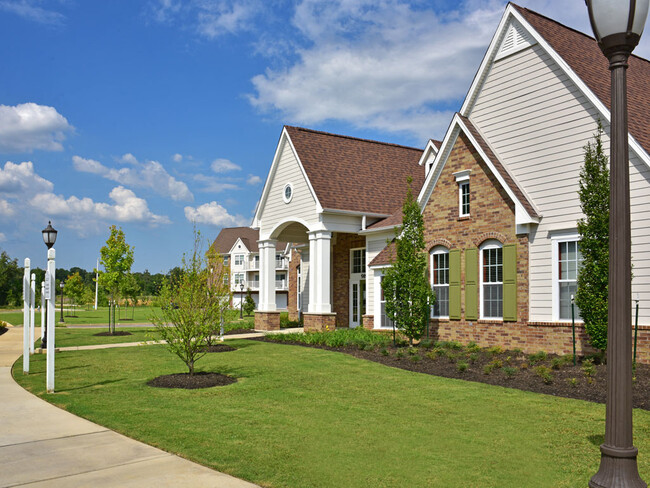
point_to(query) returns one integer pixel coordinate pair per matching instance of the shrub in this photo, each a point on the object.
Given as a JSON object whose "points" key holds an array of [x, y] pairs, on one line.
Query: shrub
{"points": [[537, 357], [509, 371], [495, 350], [338, 338], [588, 368], [544, 373], [431, 355], [385, 352], [399, 354], [3, 324], [413, 351], [473, 357], [440, 352], [487, 369], [415, 358], [473, 347], [497, 363], [557, 363], [573, 382], [462, 366], [517, 351]]}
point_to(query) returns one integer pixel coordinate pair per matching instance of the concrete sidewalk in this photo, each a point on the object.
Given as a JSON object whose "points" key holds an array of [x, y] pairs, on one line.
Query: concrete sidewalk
{"points": [[42, 445]]}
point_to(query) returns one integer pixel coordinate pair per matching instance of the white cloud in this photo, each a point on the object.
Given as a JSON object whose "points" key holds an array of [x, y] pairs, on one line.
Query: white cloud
{"points": [[213, 185], [177, 158], [30, 11], [2, 237], [6, 209], [28, 126], [214, 214], [150, 174], [20, 179], [224, 165], [253, 180]]}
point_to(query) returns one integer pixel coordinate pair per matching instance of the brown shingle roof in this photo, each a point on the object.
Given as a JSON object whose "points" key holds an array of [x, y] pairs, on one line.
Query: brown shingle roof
{"points": [[229, 235], [387, 256], [357, 174], [582, 54], [521, 196]]}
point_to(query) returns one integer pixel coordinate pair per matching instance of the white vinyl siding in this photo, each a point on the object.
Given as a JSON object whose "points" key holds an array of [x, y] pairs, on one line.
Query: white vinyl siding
{"points": [[537, 122], [302, 205], [375, 243]]}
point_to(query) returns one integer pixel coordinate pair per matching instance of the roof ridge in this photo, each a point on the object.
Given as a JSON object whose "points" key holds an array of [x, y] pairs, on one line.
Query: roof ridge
{"points": [[373, 141], [519, 7]]}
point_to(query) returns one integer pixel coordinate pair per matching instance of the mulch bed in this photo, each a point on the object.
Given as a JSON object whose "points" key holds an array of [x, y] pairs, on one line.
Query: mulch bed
{"points": [[239, 331], [219, 348], [116, 333], [568, 381], [3, 330], [198, 380]]}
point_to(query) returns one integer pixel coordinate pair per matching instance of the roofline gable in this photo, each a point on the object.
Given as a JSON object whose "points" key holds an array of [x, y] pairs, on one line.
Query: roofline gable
{"points": [[232, 249], [284, 139], [488, 59], [522, 216]]}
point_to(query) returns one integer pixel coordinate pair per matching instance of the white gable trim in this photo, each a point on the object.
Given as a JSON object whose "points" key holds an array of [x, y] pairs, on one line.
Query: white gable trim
{"points": [[486, 64], [521, 215], [233, 249], [284, 139]]}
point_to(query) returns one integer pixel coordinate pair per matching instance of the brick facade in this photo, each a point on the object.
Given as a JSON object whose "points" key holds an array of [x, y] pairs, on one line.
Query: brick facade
{"points": [[318, 322], [369, 322], [292, 299], [341, 275], [267, 320]]}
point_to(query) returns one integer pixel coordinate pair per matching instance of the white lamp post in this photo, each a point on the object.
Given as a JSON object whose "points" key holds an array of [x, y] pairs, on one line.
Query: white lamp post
{"points": [[26, 327], [32, 305], [618, 25], [49, 237]]}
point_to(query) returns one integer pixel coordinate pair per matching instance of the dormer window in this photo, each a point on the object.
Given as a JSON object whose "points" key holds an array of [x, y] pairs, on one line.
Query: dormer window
{"points": [[462, 179]]}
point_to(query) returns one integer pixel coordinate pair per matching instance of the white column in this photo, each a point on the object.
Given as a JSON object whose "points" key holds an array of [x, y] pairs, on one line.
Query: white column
{"points": [[320, 275], [43, 304], [96, 283], [267, 275], [32, 304], [26, 327], [51, 312]]}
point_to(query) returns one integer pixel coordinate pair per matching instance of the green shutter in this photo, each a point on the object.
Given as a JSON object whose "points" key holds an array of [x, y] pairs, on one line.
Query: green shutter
{"points": [[471, 284], [510, 282], [454, 284]]}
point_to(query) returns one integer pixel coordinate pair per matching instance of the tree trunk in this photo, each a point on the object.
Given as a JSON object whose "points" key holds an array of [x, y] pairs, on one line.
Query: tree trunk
{"points": [[191, 366]]}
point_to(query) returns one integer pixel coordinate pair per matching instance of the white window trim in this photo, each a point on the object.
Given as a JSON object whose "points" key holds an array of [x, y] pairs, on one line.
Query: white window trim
{"points": [[365, 265], [489, 244], [434, 251], [284, 192], [555, 288], [462, 177], [379, 274], [241, 260]]}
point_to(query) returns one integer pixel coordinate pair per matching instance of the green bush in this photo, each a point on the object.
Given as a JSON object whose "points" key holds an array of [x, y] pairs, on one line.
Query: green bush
{"points": [[537, 357], [588, 368], [495, 350], [557, 363], [544, 373], [3, 324], [358, 337], [415, 358], [462, 366], [509, 371]]}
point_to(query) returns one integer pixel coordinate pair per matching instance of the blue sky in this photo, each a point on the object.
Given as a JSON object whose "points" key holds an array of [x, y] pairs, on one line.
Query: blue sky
{"points": [[152, 114]]}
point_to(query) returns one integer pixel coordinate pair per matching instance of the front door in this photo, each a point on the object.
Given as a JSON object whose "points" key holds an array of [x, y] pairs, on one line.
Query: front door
{"points": [[357, 286]]}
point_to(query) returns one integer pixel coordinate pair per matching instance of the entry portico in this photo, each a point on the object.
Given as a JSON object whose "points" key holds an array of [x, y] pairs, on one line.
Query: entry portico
{"points": [[322, 192]]}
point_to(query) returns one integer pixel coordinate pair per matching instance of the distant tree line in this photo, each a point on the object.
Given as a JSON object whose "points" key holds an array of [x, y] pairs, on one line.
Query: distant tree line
{"points": [[82, 286]]}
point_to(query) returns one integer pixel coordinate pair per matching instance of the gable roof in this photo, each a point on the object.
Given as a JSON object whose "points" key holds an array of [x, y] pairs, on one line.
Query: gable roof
{"points": [[356, 175], [584, 57], [386, 257], [249, 237]]}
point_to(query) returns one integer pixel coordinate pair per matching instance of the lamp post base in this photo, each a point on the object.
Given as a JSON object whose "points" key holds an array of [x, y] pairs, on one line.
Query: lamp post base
{"points": [[618, 468]]}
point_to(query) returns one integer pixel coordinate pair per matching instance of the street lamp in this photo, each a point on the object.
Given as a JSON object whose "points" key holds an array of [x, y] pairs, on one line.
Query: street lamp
{"points": [[61, 286], [241, 301], [49, 238], [618, 25]]}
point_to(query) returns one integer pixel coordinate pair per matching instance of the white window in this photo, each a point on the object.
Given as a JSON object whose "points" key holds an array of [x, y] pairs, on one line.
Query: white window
{"points": [[226, 260], [439, 266], [358, 261], [491, 276], [462, 178], [568, 262], [239, 278], [226, 278], [239, 259], [385, 321], [280, 276]]}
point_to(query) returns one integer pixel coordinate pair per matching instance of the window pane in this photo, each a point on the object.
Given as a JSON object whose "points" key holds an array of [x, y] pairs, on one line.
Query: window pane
{"points": [[493, 301], [566, 290], [441, 305]]}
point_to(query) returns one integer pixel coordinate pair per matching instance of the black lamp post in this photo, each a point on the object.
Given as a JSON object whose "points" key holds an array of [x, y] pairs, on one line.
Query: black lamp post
{"points": [[617, 25], [61, 286], [241, 301], [49, 238]]}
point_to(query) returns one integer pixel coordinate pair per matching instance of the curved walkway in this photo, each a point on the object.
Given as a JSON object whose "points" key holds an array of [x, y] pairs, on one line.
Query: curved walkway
{"points": [[42, 445]]}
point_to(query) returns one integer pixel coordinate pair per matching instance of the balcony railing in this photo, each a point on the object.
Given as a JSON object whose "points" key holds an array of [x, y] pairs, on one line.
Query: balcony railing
{"points": [[281, 285], [254, 285], [255, 264]]}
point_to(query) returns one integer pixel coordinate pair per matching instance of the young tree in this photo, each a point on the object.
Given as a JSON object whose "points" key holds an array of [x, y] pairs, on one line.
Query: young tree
{"points": [[117, 259], [591, 296], [11, 284], [199, 300], [408, 294], [249, 303], [130, 289], [74, 288]]}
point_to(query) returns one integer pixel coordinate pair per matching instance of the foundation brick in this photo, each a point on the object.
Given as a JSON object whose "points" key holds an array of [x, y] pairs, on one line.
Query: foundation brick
{"points": [[317, 322], [267, 320]]}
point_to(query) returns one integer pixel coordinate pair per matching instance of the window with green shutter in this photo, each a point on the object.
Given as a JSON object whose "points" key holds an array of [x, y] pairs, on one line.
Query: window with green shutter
{"points": [[454, 284], [471, 284], [510, 282]]}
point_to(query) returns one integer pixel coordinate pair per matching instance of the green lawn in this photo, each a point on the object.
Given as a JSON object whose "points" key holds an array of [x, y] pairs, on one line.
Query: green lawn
{"points": [[99, 316], [301, 417], [86, 337]]}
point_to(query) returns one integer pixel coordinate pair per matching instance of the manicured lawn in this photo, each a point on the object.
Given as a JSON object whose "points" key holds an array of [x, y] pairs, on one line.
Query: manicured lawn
{"points": [[99, 316], [86, 337], [302, 417]]}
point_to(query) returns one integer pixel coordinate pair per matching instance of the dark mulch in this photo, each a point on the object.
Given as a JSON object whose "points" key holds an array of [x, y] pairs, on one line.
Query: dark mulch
{"points": [[3, 330], [187, 382], [219, 348], [568, 381], [116, 333], [239, 331]]}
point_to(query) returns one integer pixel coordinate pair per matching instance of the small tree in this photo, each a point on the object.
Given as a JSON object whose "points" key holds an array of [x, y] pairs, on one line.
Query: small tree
{"points": [[117, 259], [591, 297], [130, 289], [199, 300], [74, 288], [406, 287], [249, 303]]}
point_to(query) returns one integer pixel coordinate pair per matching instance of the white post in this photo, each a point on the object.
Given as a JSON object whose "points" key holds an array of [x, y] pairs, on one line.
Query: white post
{"points": [[96, 282], [51, 312], [319, 273], [43, 304], [267, 275], [26, 317], [32, 304]]}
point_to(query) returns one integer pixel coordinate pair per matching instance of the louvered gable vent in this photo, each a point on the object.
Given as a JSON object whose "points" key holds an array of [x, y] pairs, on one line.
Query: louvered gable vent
{"points": [[515, 40]]}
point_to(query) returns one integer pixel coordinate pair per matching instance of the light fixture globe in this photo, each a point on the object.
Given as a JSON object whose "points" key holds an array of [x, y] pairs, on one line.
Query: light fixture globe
{"points": [[617, 24], [49, 235]]}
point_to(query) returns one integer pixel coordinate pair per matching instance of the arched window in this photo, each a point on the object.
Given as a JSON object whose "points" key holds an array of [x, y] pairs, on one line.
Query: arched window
{"points": [[491, 276], [439, 266]]}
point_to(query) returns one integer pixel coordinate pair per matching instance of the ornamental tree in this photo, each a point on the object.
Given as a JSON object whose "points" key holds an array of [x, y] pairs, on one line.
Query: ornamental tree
{"points": [[117, 259], [591, 297], [194, 300], [74, 288], [408, 294], [249, 303]]}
